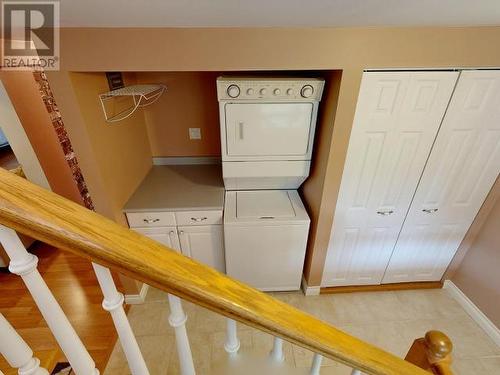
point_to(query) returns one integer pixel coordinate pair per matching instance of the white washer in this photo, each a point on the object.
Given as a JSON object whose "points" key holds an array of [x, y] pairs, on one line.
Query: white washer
{"points": [[267, 135], [266, 234]]}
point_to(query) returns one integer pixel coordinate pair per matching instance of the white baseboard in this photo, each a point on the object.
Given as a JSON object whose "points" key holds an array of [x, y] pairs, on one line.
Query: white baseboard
{"points": [[137, 299], [475, 313], [183, 160], [309, 290]]}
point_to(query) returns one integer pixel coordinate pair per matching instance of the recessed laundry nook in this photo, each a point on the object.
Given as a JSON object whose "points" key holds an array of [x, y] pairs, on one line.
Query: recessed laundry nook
{"points": [[222, 166], [257, 230]]}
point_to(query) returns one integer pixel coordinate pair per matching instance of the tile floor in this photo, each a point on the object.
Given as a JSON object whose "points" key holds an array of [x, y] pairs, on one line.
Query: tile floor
{"points": [[391, 320]]}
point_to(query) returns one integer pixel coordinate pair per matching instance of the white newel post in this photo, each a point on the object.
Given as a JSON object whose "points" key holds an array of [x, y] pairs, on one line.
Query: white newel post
{"points": [[113, 302], [232, 344], [277, 352], [16, 352], [24, 264], [316, 364], [177, 319]]}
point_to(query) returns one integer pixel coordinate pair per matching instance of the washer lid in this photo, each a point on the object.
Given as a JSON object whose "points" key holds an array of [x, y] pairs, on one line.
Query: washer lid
{"points": [[264, 204], [264, 207]]}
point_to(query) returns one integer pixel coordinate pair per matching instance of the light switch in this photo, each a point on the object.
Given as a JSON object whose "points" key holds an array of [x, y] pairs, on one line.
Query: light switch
{"points": [[194, 133]]}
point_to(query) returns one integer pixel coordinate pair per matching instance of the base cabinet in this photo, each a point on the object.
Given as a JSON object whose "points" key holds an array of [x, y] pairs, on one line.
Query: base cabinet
{"points": [[165, 235], [203, 243]]}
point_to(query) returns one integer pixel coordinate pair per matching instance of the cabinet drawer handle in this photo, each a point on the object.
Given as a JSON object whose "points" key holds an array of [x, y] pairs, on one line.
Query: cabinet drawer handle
{"points": [[197, 219], [181, 232], [150, 221], [171, 233], [385, 213], [429, 210]]}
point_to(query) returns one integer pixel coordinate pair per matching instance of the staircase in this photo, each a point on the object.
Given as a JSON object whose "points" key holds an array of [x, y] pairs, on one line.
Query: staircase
{"points": [[33, 211]]}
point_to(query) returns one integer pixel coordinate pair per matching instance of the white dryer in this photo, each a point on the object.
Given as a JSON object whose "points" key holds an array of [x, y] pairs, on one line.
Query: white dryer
{"points": [[267, 135]]}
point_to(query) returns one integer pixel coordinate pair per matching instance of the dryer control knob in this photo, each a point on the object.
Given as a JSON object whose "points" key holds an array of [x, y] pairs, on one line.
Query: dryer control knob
{"points": [[250, 92], [306, 91], [233, 91], [277, 91], [263, 92], [289, 91]]}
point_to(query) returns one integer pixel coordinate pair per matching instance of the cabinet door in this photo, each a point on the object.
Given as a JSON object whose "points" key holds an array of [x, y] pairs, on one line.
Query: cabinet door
{"points": [[397, 118], [463, 165], [205, 244], [164, 235]]}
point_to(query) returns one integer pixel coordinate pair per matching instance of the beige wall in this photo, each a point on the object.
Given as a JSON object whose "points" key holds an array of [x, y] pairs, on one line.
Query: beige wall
{"points": [[478, 276], [121, 149], [348, 50], [190, 101], [114, 157], [25, 97]]}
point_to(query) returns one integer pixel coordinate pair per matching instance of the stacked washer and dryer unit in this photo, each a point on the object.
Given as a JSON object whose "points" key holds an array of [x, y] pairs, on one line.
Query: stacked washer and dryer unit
{"points": [[267, 134]]}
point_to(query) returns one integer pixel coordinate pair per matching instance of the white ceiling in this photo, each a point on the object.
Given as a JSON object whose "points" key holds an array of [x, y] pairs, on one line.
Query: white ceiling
{"points": [[278, 13]]}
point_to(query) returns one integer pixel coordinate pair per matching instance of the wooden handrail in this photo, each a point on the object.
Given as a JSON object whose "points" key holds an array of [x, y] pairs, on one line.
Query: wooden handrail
{"points": [[66, 225], [432, 353]]}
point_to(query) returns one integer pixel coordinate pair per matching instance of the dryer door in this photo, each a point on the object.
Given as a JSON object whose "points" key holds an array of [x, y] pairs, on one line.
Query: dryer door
{"points": [[268, 129]]}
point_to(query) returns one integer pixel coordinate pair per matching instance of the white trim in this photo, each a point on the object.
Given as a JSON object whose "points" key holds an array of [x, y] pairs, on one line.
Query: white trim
{"points": [[186, 160], [475, 313], [137, 299], [309, 290]]}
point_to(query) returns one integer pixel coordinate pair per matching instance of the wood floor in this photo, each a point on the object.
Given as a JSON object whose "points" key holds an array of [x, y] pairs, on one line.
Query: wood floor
{"points": [[7, 158], [72, 281]]}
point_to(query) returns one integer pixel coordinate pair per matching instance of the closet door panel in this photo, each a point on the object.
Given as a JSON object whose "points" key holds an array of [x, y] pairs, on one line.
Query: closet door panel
{"points": [[463, 165], [396, 121]]}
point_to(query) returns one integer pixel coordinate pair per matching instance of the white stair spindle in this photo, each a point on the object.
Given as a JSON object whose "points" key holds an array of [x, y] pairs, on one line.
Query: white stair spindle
{"points": [[316, 364], [277, 352], [16, 352], [355, 372], [177, 319], [24, 264], [232, 344], [113, 302]]}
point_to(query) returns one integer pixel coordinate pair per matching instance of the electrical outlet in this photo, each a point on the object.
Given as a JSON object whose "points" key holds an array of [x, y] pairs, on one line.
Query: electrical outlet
{"points": [[194, 133]]}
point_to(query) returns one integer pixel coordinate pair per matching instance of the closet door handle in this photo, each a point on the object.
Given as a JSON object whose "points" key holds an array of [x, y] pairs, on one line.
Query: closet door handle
{"points": [[430, 210], [385, 213]]}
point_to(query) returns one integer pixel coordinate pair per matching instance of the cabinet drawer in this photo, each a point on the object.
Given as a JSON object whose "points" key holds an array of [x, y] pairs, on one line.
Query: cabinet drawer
{"points": [[198, 217], [150, 219]]}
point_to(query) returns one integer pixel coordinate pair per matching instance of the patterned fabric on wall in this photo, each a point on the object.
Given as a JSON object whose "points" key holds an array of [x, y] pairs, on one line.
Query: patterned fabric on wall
{"points": [[57, 122]]}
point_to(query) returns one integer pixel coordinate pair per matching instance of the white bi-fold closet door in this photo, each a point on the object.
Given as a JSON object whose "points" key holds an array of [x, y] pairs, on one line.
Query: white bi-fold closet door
{"points": [[397, 118], [439, 193], [462, 167]]}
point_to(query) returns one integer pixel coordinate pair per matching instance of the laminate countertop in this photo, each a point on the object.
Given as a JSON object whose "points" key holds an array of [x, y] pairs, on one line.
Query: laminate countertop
{"points": [[179, 188]]}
